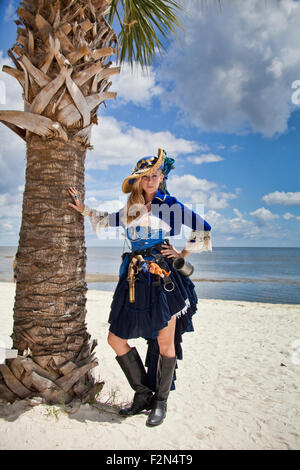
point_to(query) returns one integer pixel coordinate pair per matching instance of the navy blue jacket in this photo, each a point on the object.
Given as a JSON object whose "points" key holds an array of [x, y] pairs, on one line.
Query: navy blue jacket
{"points": [[171, 211]]}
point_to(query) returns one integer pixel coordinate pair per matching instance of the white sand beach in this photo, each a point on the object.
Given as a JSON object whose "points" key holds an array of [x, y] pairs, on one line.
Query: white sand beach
{"points": [[237, 386]]}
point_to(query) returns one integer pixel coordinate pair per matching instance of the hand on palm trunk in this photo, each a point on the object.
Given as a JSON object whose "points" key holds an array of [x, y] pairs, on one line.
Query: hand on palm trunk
{"points": [[79, 206]]}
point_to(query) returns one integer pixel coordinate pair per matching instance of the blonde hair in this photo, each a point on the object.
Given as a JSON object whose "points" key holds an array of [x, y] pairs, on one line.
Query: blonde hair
{"points": [[136, 204]]}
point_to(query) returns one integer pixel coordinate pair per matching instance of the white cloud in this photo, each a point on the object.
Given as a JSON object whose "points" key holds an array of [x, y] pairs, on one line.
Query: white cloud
{"points": [[289, 216], [235, 148], [108, 190], [232, 71], [118, 143], [189, 183], [200, 191], [10, 216], [12, 161], [238, 213], [205, 158], [235, 227], [7, 227], [12, 147], [264, 215], [112, 205], [136, 85], [280, 197], [10, 12], [13, 90], [241, 229], [10, 204]]}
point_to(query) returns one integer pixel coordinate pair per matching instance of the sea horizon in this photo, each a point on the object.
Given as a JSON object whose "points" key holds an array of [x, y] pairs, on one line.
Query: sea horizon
{"points": [[255, 274]]}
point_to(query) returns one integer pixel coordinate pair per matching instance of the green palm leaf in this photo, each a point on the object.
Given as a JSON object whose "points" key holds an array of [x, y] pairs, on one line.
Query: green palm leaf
{"points": [[145, 27]]}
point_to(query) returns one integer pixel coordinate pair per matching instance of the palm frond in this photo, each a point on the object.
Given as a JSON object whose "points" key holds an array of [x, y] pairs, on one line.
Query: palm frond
{"points": [[146, 27]]}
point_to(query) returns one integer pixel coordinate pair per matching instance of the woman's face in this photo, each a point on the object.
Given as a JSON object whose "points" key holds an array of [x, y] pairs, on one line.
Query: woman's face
{"points": [[151, 182]]}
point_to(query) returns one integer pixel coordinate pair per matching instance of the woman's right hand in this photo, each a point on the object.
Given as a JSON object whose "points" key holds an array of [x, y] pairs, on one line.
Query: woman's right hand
{"points": [[78, 206]]}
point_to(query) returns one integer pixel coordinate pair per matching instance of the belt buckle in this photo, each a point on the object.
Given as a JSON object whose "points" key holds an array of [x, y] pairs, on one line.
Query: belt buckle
{"points": [[168, 282]]}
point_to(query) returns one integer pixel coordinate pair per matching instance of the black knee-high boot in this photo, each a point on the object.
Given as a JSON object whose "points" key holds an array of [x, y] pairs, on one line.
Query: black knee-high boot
{"points": [[165, 371], [133, 368]]}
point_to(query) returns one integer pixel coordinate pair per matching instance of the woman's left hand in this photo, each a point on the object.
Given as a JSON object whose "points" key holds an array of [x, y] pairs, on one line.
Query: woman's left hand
{"points": [[169, 251]]}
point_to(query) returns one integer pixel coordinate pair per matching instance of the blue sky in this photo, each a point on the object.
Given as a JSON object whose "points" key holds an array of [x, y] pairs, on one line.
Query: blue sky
{"points": [[219, 102]]}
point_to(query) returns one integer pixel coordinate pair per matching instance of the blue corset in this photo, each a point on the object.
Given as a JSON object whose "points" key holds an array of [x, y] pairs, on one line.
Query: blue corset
{"points": [[150, 238]]}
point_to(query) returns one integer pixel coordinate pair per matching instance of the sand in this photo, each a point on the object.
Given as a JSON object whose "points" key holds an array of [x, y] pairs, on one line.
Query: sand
{"points": [[237, 386]]}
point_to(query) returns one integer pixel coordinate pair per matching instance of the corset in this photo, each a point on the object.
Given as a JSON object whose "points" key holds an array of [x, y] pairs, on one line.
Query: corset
{"points": [[142, 234]]}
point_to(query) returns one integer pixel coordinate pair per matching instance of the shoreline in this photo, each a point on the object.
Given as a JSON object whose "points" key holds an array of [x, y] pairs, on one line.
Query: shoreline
{"points": [[107, 278], [109, 293], [101, 277]]}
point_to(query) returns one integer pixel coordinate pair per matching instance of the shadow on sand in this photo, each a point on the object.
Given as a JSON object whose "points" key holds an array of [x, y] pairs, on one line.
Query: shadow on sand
{"points": [[97, 411]]}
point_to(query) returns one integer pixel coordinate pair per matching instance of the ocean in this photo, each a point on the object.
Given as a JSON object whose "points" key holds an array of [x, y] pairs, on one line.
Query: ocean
{"points": [[227, 273]]}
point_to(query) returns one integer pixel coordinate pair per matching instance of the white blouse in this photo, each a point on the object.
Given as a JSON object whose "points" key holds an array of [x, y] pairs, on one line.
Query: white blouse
{"points": [[199, 240]]}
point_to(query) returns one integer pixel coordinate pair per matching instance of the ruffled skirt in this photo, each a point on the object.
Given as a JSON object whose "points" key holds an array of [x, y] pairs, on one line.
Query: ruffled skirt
{"points": [[152, 310]]}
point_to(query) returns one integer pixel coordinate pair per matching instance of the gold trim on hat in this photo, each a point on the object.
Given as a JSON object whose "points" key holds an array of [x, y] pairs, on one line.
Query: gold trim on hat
{"points": [[126, 187]]}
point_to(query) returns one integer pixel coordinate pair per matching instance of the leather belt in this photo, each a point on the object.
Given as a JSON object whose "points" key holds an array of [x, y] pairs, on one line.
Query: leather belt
{"points": [[159, 260], [146, 251]]}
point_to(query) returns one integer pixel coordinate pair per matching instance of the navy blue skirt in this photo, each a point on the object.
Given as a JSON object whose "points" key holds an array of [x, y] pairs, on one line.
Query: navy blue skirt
{"points": [[152, 310]]}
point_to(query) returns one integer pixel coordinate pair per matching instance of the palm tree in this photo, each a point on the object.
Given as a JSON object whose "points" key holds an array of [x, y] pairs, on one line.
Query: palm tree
{"points": [[62, 62]]}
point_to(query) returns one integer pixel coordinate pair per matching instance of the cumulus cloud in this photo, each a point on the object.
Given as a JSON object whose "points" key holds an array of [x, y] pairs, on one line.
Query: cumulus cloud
{"points": [[264, 215], [289, 216], [240, 228], [118, 143], [280, 197], [12, 89], [232, 71], [135, 85], [200, 191], [205, 158], [109, 205], [233, 227]]}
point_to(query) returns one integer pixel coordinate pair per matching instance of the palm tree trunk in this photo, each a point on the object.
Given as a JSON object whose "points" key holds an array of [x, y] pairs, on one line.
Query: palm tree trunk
{"points": [[50, 301], [49, 311]]}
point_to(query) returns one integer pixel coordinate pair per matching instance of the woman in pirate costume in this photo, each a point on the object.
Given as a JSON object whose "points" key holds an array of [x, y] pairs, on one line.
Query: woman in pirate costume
{"points": [[154, 298]]}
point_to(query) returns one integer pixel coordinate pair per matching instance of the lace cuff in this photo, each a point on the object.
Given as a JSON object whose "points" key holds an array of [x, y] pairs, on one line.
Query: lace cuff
{"points": [[85, 211], [200, 240], [98, 219]]}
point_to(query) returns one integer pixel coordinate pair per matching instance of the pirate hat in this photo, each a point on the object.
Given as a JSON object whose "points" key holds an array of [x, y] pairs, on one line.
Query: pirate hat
{"points": [[144, 166]]}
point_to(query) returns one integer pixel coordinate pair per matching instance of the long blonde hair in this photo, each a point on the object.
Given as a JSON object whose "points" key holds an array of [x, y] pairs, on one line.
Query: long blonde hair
{"points": [[136, 204]]}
